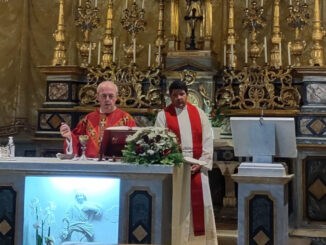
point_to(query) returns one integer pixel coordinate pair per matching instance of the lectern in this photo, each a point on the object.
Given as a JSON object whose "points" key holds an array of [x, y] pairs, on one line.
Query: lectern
{"points": [[262, 189]]}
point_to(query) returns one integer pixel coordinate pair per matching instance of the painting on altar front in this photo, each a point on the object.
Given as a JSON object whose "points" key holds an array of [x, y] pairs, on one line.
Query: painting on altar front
{"points": [[65, 210]]}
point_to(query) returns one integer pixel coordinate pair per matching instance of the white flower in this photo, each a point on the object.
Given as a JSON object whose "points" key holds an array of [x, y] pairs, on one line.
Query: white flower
{"points": [[150, 152]]}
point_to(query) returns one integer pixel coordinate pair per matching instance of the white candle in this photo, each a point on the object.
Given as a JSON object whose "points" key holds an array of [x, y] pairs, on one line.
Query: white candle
{"points": [[99, 53], [305, 1], [290, 2], [224, 53], [159, 55], [289, 53], [79, 3], [232, 55], [265, 49], [126, 4], [95, 3], [280, 48], [246, 50], [143, 4], [114, 47], [89, 53], [149, 55], [262, 3], [247, 4], [134, 50]]}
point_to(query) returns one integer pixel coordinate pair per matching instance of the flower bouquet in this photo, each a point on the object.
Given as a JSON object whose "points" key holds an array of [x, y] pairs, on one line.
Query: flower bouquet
{"points": [[152, 145]]}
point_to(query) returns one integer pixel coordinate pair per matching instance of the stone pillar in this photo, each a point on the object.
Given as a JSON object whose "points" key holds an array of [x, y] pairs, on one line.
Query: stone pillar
{"points": [[262, 203]]}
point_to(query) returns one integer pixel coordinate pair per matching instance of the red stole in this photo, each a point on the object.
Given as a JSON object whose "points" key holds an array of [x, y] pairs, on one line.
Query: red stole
{"points": [[93, 125], [197, 199]]}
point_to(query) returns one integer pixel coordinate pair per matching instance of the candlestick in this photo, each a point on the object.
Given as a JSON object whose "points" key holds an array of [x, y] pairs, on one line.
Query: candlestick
{"points": [[114, 47], [232, 55], [246, 50], [89, 53], [265, 49], [280, 48], [289, 53], [149, 54], [95, 3], [99, 53], [134, 50], [143, 4], [224, 52], [159, 55]]}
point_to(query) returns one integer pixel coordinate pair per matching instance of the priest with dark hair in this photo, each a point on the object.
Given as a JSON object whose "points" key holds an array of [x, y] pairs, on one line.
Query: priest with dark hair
{"points": [[94, 123], [193, 218]]}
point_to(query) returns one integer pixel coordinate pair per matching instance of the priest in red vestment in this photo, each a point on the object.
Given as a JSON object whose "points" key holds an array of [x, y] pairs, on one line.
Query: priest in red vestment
{"points": [[94, 123], [192, 215]]}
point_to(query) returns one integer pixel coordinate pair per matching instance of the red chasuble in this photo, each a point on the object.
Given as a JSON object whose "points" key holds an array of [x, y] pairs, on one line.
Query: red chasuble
{"points": [[93, 125], [197, 199]]}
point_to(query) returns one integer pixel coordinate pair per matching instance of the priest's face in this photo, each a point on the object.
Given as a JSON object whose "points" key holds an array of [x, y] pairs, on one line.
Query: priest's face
{"points": [[179, 98], [107, 96]]}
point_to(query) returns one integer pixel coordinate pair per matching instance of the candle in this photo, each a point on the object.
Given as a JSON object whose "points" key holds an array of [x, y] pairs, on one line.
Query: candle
{"points": [[262, 3], [224, 52], [265, 49], [280, 48], [159, 55], [246, 50], [79, 3], [143, 4], [232, 55], [89, 53], [290, 2], [95, 3], [114, 47], [289, 53], [99, 53], [134, 50], [126, 4], [149, 54], [247, 4]]}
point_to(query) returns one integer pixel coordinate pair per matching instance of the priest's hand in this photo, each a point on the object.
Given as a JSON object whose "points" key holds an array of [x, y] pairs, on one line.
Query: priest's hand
{"points": [[65, 131], [195, 168]]}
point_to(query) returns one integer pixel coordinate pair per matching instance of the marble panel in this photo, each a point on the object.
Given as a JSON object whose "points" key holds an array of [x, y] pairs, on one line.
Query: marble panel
{"points": [[316, 93]]}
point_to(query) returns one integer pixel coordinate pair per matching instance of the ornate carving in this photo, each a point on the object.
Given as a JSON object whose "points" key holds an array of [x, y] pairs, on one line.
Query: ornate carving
{"points": [[258, 88]]}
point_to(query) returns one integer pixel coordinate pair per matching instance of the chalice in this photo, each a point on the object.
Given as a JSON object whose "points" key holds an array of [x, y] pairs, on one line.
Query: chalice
{"points": [[83, 141]]}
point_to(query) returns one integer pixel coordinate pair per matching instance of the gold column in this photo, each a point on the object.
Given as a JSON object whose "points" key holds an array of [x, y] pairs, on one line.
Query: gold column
{"points": [[108, 38], [59, 57], [276, 36], [160, 42], [317, 52], [174, 39], [208, 23], [231, 39]]}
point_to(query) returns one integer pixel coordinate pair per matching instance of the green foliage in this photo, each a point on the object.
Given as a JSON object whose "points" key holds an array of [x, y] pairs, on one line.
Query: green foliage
{"points": [[152, 145], [218, 116]]}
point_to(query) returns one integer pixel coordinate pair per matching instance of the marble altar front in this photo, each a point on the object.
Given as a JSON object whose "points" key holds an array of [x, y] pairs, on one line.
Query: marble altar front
{"points": [[145, 196]]}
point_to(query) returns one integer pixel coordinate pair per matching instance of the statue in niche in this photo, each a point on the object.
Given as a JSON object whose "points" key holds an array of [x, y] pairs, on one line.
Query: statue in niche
{"points": [[78, 220], [194, 14]]}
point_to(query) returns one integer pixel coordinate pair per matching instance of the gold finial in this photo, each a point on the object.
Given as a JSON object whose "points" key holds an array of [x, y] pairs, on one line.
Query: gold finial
{"points": [[317, 56], [276, 37], [108, 40], [59, 57]]}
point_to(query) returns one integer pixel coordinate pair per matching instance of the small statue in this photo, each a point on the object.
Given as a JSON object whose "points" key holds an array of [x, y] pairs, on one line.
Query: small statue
{"points": [[194, 14]]}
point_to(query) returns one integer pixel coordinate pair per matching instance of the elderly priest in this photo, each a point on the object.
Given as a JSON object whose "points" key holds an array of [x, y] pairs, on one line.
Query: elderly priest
{"points": [[193, 218], [94, 123]]}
